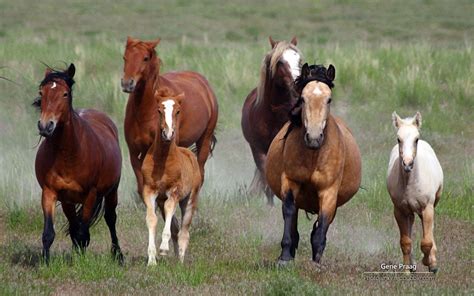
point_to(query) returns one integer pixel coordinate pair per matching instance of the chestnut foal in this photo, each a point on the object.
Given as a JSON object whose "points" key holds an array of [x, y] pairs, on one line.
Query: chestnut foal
{"points": [[171, 175]]}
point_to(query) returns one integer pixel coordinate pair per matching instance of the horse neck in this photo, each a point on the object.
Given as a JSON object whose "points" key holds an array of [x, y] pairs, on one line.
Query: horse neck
{"points": [[276, 95], [144, 95], [164, 151]]}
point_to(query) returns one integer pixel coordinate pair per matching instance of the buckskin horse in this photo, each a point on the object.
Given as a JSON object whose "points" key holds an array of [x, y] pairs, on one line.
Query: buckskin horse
{"points": [[313, 163], [171, 175], [141, 79], [266, 108], [78, 164]]}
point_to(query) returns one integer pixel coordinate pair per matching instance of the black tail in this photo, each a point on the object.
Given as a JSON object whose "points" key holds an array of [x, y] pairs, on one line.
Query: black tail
{"points": [[97, 213]]}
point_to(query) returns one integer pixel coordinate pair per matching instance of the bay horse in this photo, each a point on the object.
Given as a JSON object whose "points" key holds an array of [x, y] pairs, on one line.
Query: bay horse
{"points": [[78, 164], [171, 175], [141, 79], [266, 107], [415, 183], [313, 163]]}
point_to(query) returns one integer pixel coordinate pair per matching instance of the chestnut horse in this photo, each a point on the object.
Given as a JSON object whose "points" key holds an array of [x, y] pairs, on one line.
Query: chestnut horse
{"points": [[78, 164], [141, 79], [313, 163], [171, 175], [266, 108]]}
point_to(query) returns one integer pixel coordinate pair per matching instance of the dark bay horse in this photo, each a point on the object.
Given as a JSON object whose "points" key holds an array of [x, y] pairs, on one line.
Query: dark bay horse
{"points": [[78, 164], [141, 79], [266, 108], [313, 163], [171, 176]]}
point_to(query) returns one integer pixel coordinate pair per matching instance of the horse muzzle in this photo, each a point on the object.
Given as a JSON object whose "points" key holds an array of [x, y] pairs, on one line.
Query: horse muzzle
{"points": [[407, 167], [46, 130], [313, 143], [128, 85], [167, 137]]}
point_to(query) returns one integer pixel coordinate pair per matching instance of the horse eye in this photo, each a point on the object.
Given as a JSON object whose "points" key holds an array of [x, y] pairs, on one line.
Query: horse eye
{"points": [[65, 94], [177, 112], [146, 59], [398, 140], [40, 93], [330, 100], [416, 141]]}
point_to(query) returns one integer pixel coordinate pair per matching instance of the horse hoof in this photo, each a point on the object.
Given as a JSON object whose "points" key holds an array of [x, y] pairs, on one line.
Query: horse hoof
{"points": [[283, 263], [433, 269], [151, 262], [163, 252], [120, 259]]}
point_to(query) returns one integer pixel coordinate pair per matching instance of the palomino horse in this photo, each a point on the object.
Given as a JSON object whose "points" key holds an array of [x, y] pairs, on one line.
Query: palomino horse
{"points": [[313, 164], [79, 163], [171, 175], [415, 183], [141, 79], [266, 108]]}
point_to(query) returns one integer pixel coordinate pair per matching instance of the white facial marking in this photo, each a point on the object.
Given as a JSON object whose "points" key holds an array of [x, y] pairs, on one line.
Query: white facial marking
{"points": [[169, 116], [293, 59], [317, 91], [54, 85]]}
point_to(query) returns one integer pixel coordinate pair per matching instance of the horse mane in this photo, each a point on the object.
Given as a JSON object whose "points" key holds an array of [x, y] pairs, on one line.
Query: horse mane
{"points": [[269, 65]]}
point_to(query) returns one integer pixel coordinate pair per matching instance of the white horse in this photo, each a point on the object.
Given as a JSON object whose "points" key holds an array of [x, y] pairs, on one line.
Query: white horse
{"points": [[415, 183]]}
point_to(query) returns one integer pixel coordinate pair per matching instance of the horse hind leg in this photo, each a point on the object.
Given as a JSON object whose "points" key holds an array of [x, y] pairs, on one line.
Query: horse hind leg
{"points": [[174, 228], [259, 184], [428, 246], [188, 206], [111, 219]]}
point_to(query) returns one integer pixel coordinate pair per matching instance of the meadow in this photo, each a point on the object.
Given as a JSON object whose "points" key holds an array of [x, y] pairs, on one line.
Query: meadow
{"points": [[388, 56]]}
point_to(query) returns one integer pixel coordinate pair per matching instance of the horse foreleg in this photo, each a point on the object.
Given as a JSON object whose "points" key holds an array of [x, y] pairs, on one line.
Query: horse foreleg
{"points": [[188, 206], [137, 169], [169, 209], [405, 223], [327, 212], [259, 183], [48, 203], [149, 198], [289, 241], [174, 227], [73, 227], [428, 246], [110, 216]]}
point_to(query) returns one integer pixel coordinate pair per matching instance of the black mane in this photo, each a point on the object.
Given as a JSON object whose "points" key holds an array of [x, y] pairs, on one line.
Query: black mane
{"points": [[316, 73]]}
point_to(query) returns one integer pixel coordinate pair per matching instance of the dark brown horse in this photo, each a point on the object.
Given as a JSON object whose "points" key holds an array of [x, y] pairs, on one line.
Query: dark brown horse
{"points": [[266, 108], [141, 79], [78, 164], [313, 163]]}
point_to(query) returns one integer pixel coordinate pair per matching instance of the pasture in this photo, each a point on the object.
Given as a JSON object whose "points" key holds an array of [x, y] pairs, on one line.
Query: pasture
{"points": [[388, 56]]}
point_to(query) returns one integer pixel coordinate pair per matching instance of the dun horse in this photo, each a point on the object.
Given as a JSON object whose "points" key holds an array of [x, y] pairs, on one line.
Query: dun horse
{"points": [[171, 175], [313, 163], [415, 183], [79, 163], [141, 79], [266, 108]]}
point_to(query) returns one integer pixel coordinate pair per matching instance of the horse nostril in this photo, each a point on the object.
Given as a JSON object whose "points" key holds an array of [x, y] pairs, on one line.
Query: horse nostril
{"points": [[132, 82], [306, 137], [39, 125], [321, 135]]}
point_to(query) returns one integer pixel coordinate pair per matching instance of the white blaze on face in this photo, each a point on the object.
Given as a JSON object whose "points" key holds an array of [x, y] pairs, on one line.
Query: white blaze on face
{"points": [[408, 134], [54, 85], [293, 59], [317, 91], [169, 117]]}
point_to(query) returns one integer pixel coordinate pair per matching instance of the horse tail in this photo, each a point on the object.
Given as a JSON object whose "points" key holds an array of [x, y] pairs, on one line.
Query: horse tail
{"points": [[97, 212], [213, 143]]}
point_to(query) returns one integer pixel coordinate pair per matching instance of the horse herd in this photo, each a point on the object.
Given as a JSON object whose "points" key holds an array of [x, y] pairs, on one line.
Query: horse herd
{"points": [[303, 154]]}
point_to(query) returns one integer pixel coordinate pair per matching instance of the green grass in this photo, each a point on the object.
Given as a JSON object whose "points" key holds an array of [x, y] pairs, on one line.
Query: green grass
{"points": [[388, 56]]}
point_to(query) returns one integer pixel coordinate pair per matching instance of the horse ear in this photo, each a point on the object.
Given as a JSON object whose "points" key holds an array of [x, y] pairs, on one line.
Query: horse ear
{"points": [[417, 119], [153, 43], [71, 70], [131, 40], [396, 120], [180, 98], [273, 43], [305, 71], [331, 73], [294, 41], [48, 71]]}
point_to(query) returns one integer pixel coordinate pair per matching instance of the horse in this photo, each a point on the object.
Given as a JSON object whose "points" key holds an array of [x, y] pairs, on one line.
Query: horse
{"points": [[415, 183], [141, 79], [266, 107], [78, 164], [313, 163], [171, 175]]}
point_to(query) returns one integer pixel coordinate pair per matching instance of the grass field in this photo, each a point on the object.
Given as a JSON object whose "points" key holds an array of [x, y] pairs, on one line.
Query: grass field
{"points": [[389, 55]]}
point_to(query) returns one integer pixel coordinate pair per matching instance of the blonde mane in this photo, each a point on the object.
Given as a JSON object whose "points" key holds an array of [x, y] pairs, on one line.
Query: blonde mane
{"points": [[269, 66]]}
